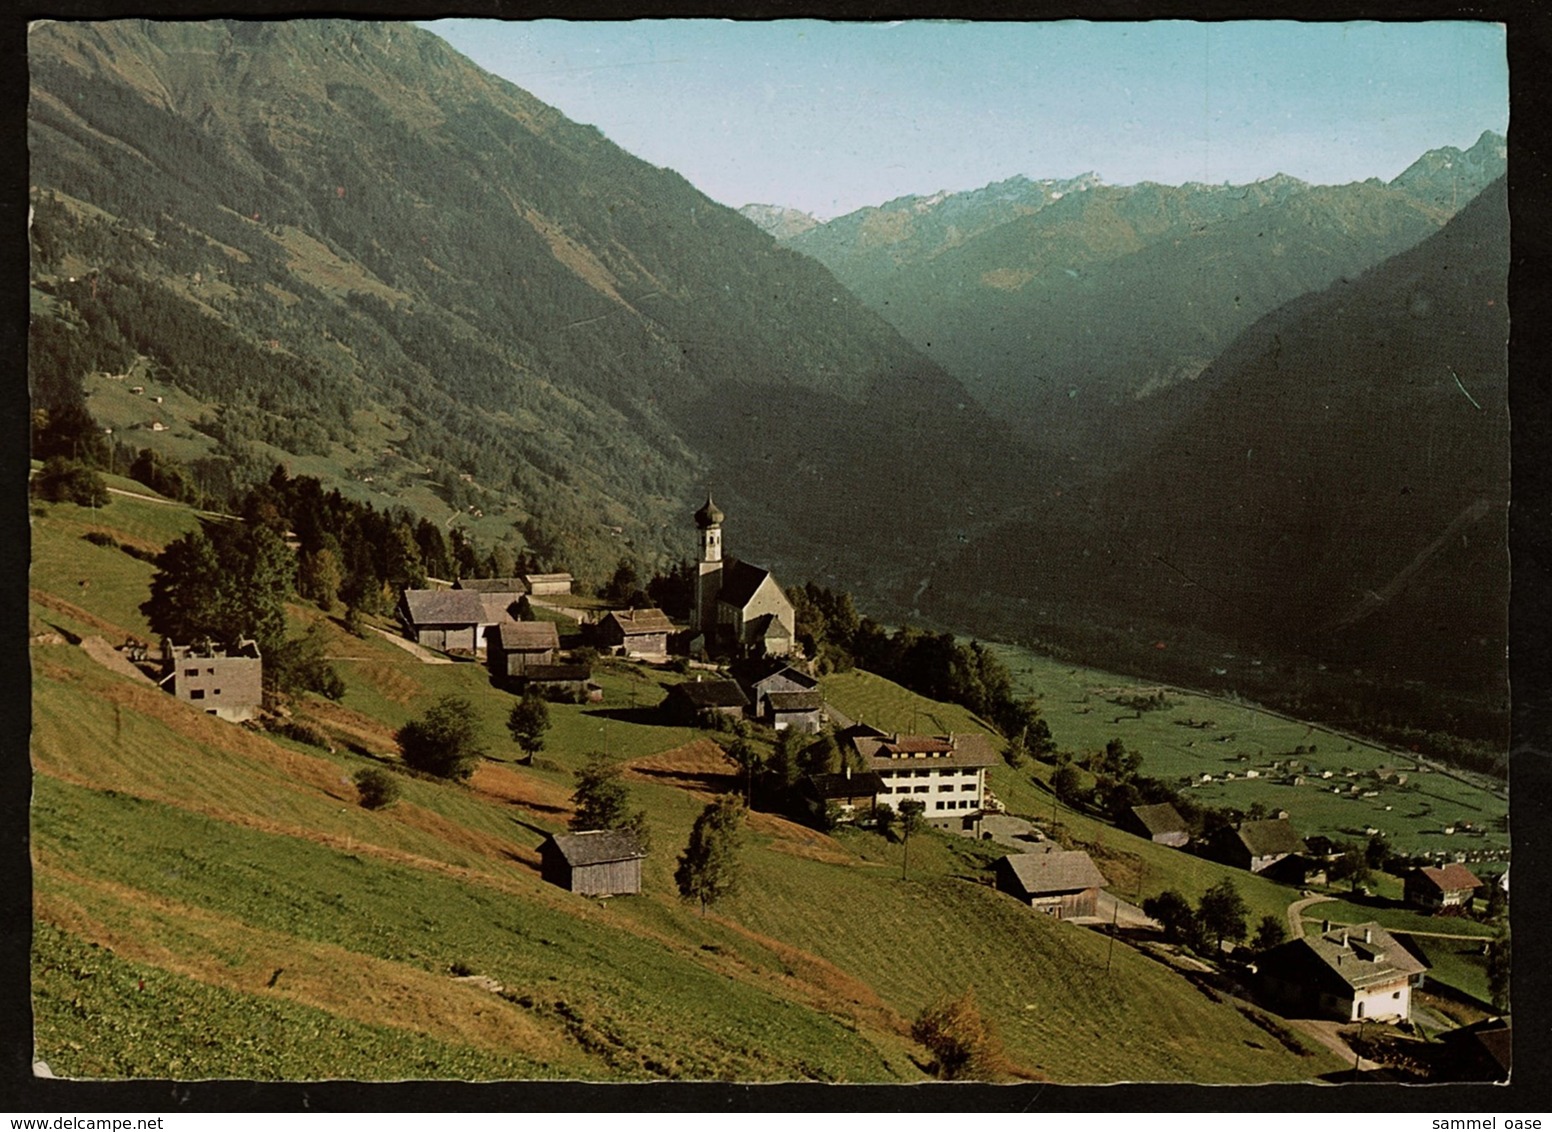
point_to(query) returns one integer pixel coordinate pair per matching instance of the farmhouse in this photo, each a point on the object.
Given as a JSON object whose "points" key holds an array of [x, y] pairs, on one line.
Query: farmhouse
{"points": [[1161, 823], [445, 619], [1063, 884], [636, 632], [849, 793], [1347, 973], [597, 862], [227, 683], [1453, 886], [697, 701], [738, 606], [516, 646], [946, 773], [1258, 845], [786, 698]]}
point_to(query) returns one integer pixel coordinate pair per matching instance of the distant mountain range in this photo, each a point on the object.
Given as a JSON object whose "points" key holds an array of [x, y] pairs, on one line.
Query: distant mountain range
{"points": [[475, 303], [1062, 305]]}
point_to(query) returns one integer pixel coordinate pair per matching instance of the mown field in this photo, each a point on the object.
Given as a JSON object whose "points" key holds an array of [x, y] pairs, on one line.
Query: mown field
{"points": [[202, 889], [1078, 703]]}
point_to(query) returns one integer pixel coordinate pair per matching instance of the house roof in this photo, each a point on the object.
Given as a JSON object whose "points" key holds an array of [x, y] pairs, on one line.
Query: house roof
{"points": [[497, 606], [885, 752], [826, 787], [597, 846], [1356, 957], [787, 673], [1450, 878], [528, 636], [1046, 874], [444, 607], [1160, 818], [492, 585], [556, 672], [712, 693], [739, 582], [795, 701], [640, 622], [1273, 835]]}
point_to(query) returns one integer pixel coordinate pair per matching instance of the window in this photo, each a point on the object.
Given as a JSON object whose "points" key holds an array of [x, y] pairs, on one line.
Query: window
{"points": [[945, 787], [191, 672], [215, 691], [197, 694], [920, 789], [967, 786], [937, 805]]}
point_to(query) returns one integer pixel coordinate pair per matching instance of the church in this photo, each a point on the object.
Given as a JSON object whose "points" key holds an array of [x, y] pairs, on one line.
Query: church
{"points": [[738, 607]]}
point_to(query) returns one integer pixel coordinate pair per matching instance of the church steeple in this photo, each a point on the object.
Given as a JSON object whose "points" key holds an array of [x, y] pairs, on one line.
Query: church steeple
{"points": [[708, 520]]}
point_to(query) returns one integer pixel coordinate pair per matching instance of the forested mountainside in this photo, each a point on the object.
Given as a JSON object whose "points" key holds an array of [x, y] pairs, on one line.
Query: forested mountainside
{"points": [[1065, 305], [342, 246], [1335, 483]]}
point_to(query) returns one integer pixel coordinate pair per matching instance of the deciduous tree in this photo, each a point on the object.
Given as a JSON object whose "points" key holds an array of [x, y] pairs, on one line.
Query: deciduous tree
{"points": [[911, 821], [528, 720], [962, 1043], [1222, 912]]}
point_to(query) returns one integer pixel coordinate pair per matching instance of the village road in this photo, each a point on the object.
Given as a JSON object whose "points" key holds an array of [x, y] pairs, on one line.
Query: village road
{"points": [[1296, 917], [411, 647]]}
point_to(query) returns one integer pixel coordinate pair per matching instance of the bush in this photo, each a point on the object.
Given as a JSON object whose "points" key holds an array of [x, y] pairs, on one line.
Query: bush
{"points": [[959, 1039], [376, 788], [444, 741], [301, 732]]}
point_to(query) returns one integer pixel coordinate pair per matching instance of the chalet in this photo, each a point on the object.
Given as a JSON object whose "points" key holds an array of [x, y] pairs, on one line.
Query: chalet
{"points": [[1161, 823], [1452, 886], [444, 619], [946, 773], [542, 585], [738, 606], [597, 862], [636, 632], [567, 683], [1258, 845], [227, 683], [1347, 973], [1063, 884], [516, 646], [851, 793], [698, 701]]}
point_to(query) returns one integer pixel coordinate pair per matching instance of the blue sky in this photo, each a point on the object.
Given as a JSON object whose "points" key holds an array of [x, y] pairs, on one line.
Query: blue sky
{"points": [[830, 117]]}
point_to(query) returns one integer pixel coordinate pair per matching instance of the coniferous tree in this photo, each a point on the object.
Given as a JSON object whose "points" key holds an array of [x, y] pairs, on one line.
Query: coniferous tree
{"points": [[709, 867]]}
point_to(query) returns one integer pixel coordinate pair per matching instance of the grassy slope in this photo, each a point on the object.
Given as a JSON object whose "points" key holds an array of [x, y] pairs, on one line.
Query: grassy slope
{"points": [[234, 873]]}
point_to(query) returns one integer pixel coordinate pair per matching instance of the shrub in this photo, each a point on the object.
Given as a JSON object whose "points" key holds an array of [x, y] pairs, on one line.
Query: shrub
{"points": [[962, 1044], [376, 788], [443, 742], [300, 732]]}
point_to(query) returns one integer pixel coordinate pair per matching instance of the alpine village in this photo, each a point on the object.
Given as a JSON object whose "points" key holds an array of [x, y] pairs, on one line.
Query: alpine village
{"points": [[408, 702]]}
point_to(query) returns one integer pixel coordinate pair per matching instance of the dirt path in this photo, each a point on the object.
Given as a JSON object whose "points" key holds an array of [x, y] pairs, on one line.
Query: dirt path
{"points": [[1296, 914], [410, 647], [1326, 1033]]}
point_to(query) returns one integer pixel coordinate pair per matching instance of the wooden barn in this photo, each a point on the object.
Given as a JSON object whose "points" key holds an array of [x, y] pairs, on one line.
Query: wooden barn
{"points": [[1063, 884], [517, 646], [696, 701], [444, 619], [1258, 845], [636, 632], [595, 862], [1161, 823]]}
